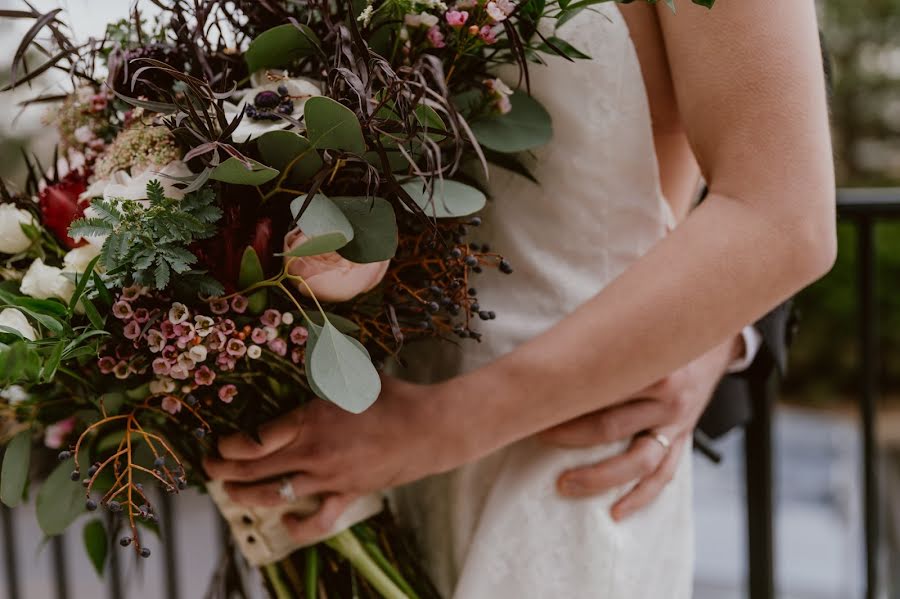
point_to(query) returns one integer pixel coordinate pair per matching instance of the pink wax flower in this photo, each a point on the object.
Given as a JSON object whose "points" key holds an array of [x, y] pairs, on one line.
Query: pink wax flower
{"points": [[203, 376], [235, 348], [488, 35], [227, 326], [297, 355], [132, 330], [161, 366], [122, 310], [239, 304], [216, 340], [258, 336], [178, 313], [168, 329], [435, 37], [106, 364], [227, 393], [179, 373], [170, 352], [299, 335], [456, 18], [278, 346], [132, 293], [55, 434], [225, 362], [122, 370], [218, 305], [271, 318], [99, 103], [142, 315], [171, 405]]}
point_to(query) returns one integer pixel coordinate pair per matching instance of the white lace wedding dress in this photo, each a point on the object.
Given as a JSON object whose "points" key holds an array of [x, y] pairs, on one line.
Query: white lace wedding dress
{"points": [[497, 529]]}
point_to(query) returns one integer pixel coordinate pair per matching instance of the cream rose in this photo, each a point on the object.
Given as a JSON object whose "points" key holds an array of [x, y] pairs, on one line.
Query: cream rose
{"points": [[14, 319], [331, 277], [12, 238], [77, 260], [127, 186], [43, 282]]}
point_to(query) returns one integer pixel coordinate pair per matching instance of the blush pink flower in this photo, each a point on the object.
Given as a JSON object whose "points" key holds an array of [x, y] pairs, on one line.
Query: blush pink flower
{"points": [[488, 35], [142, 315], [495, 12], [299, 335], [297, 355], [435, 37], [170, 352], [122, 370], [239, 304], [161, 367], [122, 310], [271, 318], [132, 293], [258, 336], [168, 329], [331, 277], [203, 376], [132, 330], [216, 340], [106, 364], [456, 18], [218, 306], [278, 346], [227, 393], [227, 326], [235, 348], [55, 434], [171, 405]]}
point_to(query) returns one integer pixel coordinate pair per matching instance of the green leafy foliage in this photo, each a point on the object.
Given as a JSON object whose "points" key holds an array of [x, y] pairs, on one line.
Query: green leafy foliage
{"points": [[60, 501], [237, 172], [525, 127], [331, 125], [283, 149], [451, 199], [96, 544], [14, 476], [340, 369], [252, 273], [280, 47], [149, 246], [323, 223], [375, 234]]}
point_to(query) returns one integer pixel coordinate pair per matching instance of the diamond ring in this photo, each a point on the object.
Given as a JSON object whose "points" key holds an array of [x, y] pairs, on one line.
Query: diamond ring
{"points": [[286, 490]]}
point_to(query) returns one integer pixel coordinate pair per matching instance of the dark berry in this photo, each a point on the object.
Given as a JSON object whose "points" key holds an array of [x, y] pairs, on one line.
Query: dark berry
{"points": [[159, 462], [485, 248], [86, 482], [454, 309], [436, 291], [125, 541], [91, 505], [492, 315], [432, 307], [76, 475], [64, 455], [182, 484], [191, 400], [506, 267], [283, 90], [145, 552], [473, 292], [456, 253], [199, 433], [114, 506], [484, 316], [478, 270], [266, 100], [92, 470], [475, 307], [471, 261], [475, 221]]}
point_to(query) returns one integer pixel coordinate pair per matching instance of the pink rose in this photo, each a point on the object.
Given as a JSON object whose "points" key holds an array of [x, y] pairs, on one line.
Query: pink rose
{"points": [[331, 277]]}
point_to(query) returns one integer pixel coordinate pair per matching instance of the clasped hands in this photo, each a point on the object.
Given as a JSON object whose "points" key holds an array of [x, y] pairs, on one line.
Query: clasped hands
{"points": [[321, 450]]}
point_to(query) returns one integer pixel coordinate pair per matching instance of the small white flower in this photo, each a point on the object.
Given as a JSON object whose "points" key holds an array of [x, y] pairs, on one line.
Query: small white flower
{"points": [[495, 12], [203, 325], [423, 19], [12, 238], [162, 385], [271, 333], [300, 90], [365, 17], [44, 282], [507, 6], [198, 353], [178, 313], [83, 134], [287, 318], [16, 320], [14, 394], [156, 341], [254, 352]]}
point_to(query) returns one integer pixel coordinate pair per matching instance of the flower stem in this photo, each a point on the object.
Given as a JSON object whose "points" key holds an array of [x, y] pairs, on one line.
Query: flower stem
{"points": [[346, 544], [274, 576]]}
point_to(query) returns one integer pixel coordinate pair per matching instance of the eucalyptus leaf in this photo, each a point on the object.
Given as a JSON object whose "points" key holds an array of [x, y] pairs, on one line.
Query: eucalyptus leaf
{"points": [[96, 544], [331, 125], [344, 325], [375, 235], [252, 273], [323, 223], [237, 172], [525, 127], [342, 371], [60, 500], [451, 199], [14, 475], [282, 148], [280, 47]]}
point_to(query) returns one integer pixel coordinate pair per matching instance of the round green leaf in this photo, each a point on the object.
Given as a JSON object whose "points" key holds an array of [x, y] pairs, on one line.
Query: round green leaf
{"points": [[252, 273], [451, 199], [60, 501], [280, 47], [96, 543], [14, 476], [342, 371], [344, 325], [323, 223], [375, 235], [236, 172], [525, 127], [283, 148], [331, 125]]}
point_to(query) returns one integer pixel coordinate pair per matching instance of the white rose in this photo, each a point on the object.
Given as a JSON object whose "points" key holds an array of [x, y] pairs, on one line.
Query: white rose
{"points": [[127, 186], [77, 260], [14, 319], [12, 238], [43, 282]]}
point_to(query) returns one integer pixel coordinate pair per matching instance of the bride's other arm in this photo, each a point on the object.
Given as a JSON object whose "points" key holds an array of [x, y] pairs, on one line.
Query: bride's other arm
{"points": [[751, 95]]}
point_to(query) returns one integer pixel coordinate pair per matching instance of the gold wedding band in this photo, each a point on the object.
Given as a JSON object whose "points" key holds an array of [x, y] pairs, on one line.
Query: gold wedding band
{"points": [[661, 439]]}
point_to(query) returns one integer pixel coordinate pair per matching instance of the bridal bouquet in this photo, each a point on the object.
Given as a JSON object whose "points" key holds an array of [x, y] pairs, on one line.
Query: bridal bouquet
{"points": [[254, 203]]}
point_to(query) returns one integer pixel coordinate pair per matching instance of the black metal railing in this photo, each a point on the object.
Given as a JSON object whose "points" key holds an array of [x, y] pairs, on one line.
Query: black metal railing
{"points": [[864, 208]]}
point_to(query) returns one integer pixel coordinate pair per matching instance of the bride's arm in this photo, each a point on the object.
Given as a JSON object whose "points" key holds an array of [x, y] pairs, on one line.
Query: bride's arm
{"points": [[751, 95]]}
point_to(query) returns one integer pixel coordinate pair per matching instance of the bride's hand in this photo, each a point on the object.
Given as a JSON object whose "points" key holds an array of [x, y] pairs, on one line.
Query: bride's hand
{"points": [[670, 407], [323, 450]]}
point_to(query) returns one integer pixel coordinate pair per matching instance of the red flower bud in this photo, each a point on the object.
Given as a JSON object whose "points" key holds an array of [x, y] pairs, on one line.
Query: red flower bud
{"points": [[261, 242], [59, 207]]}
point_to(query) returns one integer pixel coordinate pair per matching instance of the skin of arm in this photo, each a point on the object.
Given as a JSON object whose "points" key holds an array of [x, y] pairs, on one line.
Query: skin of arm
{"points": [[751, 98]]}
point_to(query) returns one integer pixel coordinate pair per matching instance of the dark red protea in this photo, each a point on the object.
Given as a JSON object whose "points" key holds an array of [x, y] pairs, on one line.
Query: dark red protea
{"points": [[59, 206], [261, 242]]}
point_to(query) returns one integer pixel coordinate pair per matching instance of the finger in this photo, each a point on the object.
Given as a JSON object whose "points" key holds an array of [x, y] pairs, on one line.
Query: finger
{"points": [[609, 425], [314, 528], [268, 494], [285, 462], [642, 458], [272, 437], [650, 487]]}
